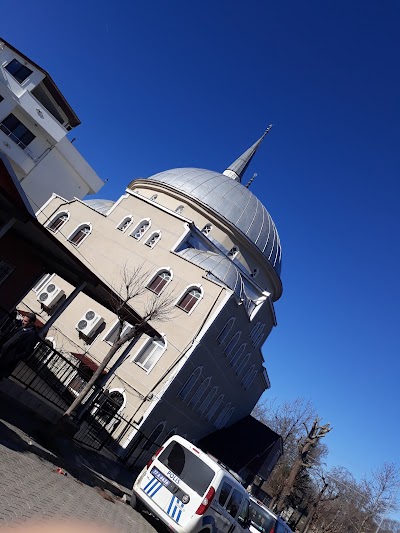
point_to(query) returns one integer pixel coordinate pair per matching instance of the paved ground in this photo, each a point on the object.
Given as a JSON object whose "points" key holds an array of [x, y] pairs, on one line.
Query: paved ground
{"points": [[31, 489]]}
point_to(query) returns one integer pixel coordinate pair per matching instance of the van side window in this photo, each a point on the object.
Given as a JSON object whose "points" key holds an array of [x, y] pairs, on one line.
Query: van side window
{"points": [[234, 503], [225, 491], [244, 513]]}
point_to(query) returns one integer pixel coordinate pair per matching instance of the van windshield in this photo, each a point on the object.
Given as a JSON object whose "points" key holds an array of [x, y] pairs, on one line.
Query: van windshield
{"points": [[261, 519], [188, 467]]}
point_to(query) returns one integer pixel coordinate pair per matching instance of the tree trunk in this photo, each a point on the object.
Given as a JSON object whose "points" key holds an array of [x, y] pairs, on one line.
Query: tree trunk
{"points": [[297, 466], [96, 376]]}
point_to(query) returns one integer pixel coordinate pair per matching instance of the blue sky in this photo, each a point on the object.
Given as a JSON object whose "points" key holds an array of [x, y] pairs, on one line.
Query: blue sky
{"points": [[160, 85]]}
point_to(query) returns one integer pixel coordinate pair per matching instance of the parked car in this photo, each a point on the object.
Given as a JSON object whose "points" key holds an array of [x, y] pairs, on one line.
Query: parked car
{"points": [[191, 492], [263, 520]]}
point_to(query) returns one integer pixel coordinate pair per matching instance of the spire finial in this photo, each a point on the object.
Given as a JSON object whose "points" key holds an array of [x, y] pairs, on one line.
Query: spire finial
{"points": [[237, 169]]}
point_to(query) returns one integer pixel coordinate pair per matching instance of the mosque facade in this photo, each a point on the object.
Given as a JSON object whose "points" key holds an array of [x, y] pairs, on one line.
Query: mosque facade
{"points": [[203, 238]]}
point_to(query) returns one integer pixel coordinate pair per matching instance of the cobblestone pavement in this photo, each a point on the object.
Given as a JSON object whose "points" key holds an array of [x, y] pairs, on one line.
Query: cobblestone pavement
{"points": [[31, 489]]}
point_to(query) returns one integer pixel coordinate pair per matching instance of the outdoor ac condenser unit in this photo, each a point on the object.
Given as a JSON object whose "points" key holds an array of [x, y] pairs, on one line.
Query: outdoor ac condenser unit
{"points": [[50, 295], [89, 323]]}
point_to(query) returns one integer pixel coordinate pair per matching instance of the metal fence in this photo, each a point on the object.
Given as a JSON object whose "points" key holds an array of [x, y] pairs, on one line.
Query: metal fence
{"points": [[59, 378]]}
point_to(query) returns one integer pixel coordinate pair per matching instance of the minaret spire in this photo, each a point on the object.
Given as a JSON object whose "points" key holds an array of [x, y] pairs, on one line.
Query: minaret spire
{"points": [[237, 169]]}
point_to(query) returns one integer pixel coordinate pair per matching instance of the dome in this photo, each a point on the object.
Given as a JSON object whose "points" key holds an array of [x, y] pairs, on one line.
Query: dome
{"points": [[234, 202]]}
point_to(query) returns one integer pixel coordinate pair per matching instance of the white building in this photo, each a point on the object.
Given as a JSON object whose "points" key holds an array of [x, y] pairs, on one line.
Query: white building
{"points": [[207, 239], [34, 121]]}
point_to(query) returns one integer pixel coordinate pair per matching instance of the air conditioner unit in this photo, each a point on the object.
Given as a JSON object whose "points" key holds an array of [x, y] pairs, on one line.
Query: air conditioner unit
{"points": [[50, 295], [89, 323]]}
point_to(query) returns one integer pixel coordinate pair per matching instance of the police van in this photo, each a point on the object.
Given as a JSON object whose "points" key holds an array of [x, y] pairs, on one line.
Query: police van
{"points": [[263, 520], [191, 492]]}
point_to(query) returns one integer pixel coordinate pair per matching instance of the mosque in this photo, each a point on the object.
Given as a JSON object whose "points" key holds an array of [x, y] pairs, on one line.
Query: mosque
{"points": [[203, 238]]}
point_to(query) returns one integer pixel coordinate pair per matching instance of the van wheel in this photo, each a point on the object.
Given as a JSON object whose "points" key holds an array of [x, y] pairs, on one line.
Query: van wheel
{"points": [[135, 503]]}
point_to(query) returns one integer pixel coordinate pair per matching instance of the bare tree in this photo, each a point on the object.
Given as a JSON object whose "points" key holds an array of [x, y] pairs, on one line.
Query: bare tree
{"points": [[156, 308], [303, 458], [380, 494]]}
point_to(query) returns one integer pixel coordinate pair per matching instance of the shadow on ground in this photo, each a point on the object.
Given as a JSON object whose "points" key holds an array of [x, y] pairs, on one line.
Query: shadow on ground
{"points": [[23, 431]]}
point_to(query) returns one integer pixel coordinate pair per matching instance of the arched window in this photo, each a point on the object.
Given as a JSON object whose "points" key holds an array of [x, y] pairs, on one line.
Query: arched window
{"points": [[160, 280], [256, 330], [80, 234], [207, 400], [254, 273], [214, 408], [260, 336], [220, 418], [125, 223], [189, 300], [154, 438], [190, 383], [201, 390], [207, 228], [242, 365], [150, 353], [229, 349], [248, 375], [153, 239], [172, 432], [250, 379], [109, 406], [227, 417], [179, 209], [225, 331], [233, 252], [238, 354], [57, 222], [141, 229], [154, 197]]}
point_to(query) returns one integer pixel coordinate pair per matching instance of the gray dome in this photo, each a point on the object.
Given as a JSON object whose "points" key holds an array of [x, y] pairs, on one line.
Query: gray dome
{"points": [[101, 206], [233, 201]]}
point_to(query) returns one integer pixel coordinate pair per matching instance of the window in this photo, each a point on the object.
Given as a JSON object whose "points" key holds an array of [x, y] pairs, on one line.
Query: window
{"points": [[254, 273], [215, 407], [228, 417], [17, 132], [236, 358], [247, 376], [234, 503], [150, 353], [259, 339], [225, 331], [244, 514], [79, 235], [44, 280], [18, 71], [153, 239], [154, 197], [233, 252], [257, 334], [221, 416], [198, 395], [5, 269], [189, 300], [190, 383], [158, 283], [57, 222], [179, 209], [207, 400], [231, 345], [112, 336], [154, 435], [192, 470], [242, 365], [140, 229], [225, 491], [125, 223], [250, 379], [207, 228]]}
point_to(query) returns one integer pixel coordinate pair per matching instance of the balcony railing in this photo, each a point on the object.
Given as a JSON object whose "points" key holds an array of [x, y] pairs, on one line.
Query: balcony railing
{"points": [[17, 141]]}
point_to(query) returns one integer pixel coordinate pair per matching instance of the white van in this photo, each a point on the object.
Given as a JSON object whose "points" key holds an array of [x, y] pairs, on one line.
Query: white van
{"points": [[263, 520], [191, 492]]}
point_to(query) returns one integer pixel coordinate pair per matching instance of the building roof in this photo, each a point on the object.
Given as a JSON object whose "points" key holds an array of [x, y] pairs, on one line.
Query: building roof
{"points": [[101, 206], [231, 200], [50, 86], [234, 447]]}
